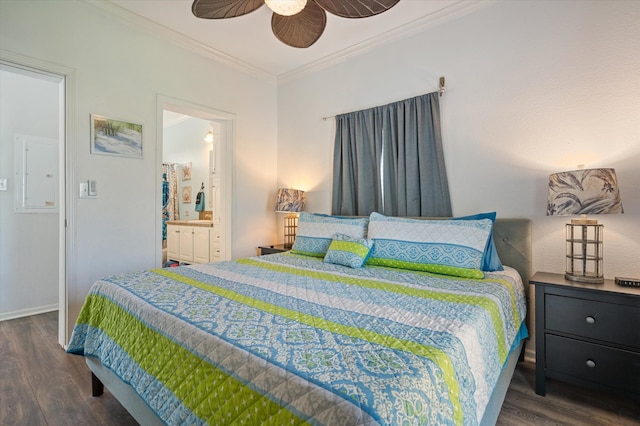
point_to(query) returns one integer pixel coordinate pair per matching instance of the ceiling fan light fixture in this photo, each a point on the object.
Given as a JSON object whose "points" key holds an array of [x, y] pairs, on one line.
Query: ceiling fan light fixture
{"points": [[296, 23], [286, 7]]}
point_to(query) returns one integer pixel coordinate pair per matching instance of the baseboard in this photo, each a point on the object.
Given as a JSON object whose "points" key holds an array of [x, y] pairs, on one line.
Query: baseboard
{"points": [[28, 312]]}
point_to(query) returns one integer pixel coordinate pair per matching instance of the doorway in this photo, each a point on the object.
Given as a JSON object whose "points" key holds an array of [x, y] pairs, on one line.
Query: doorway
{"points": [[182, 129], [33, 188]]}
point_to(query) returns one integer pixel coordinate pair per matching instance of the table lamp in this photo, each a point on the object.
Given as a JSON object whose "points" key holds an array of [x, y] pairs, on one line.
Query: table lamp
{"points": [[584, 192], [290, 201]]}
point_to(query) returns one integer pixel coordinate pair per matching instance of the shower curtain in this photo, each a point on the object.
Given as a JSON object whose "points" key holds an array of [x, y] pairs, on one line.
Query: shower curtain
{"points": [[169, 197]]}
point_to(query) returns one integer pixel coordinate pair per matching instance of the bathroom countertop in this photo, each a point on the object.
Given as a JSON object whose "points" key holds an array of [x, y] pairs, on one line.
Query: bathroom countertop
{"points": [[206, 223]]}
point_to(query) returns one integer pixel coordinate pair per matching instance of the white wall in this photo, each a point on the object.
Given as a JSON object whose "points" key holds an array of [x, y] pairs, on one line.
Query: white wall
{"points": [[119, 72], [532, 88], [29, 105]]}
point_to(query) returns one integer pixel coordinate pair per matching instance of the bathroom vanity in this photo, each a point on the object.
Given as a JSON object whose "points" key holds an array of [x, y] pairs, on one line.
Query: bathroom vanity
{"points": [[193, 241]]}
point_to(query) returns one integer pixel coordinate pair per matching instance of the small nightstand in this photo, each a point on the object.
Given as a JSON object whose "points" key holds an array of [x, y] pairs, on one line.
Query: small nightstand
{"points": [[587, 334], [277, 248]]}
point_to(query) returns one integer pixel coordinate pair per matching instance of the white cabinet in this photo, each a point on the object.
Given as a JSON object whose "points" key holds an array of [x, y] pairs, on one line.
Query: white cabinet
{"points": [[201, 245], [190, 244]]}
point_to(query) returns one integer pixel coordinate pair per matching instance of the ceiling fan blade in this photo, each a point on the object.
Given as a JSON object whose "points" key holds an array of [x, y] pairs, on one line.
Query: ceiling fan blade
{"points": [[221, 9], [356, 8], [302, 29]]}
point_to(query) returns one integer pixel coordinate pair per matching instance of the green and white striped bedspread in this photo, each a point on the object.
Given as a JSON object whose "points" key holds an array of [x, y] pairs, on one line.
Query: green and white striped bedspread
{"points": [[287, 339]]}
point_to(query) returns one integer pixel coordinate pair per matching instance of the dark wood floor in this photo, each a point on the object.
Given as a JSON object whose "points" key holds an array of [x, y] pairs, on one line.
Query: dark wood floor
{"points": [[42, 385]]}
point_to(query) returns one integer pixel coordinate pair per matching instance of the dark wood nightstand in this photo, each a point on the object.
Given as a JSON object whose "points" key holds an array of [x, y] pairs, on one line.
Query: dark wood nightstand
{"points": [[277, 248], [587, 334]]}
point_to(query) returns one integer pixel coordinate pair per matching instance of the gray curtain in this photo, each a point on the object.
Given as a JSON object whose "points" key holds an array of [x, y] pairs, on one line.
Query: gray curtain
{"points": [[389, 159]]}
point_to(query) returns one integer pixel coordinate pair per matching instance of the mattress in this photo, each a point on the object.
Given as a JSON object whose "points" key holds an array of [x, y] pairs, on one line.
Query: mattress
{"points": [[290, 339]]}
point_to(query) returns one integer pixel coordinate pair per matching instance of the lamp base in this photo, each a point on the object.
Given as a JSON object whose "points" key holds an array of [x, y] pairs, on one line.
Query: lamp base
{"points": [[290, 228], [584, 279], [584, 252]]}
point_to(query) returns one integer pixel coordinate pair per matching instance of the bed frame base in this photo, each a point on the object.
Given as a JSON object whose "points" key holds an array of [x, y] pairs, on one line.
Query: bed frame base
{"points": [[97, 388], [491, 413], [128, 398]]}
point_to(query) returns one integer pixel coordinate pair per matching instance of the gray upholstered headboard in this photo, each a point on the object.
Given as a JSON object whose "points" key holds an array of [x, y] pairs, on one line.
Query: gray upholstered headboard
{"points": [[512, 238]]}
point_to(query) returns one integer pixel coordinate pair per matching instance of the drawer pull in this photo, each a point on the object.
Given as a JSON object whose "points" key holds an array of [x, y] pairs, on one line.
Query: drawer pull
{"points": [[590, 320], [591, 363]]}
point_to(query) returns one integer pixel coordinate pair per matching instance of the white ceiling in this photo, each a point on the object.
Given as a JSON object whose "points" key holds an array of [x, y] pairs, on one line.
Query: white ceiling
{"points": [[248, 39]]}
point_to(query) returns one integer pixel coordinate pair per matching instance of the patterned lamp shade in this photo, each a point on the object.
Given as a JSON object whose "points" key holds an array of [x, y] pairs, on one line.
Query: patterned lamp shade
{"points": [[584, 192], [290, 201]]}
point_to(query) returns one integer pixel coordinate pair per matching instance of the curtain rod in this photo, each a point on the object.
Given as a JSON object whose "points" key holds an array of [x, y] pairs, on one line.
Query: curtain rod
{"points": [[440, 90]]}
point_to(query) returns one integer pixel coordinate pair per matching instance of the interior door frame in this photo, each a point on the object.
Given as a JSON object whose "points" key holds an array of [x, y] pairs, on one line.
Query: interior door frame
{"points": [[67, 213], [227, 157]]}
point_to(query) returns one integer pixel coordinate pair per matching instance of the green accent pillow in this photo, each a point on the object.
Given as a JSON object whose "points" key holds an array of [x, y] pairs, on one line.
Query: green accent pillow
{"points": [[347, 251]]}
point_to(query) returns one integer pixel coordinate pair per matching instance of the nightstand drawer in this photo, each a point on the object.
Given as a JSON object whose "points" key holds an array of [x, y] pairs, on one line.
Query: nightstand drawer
{"points": [[594, 363], [603, 321]]}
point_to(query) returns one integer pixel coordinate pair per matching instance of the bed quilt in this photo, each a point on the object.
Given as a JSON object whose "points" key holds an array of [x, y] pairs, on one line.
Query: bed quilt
{"points": [[288, 339]]}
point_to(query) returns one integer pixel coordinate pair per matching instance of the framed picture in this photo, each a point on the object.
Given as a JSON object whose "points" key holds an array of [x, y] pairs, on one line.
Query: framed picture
{"points": [[186, 171], [115, 137], [186, 194]]}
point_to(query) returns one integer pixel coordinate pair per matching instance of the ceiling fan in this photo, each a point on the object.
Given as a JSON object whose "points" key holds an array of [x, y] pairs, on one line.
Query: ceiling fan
{"points": [[297, 23]]}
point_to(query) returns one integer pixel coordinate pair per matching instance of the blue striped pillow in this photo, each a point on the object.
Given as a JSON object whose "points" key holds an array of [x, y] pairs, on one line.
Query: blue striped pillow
{"points": [[451, 247]]}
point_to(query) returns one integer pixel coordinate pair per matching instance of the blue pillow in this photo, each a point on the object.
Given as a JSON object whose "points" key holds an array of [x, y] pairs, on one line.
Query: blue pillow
{"points": [[347, 251], [316, 231], [490, 259]]}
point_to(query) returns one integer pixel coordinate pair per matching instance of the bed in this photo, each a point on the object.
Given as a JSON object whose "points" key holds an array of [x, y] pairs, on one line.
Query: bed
{"points": [[296, 338]]}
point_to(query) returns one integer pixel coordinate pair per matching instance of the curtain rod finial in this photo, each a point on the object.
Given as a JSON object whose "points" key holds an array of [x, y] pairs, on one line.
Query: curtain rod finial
{"points": [[441, 86]]}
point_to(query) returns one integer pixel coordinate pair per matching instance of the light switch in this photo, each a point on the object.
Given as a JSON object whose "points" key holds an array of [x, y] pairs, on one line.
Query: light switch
{"points": [[3, 184], [84, 190]]}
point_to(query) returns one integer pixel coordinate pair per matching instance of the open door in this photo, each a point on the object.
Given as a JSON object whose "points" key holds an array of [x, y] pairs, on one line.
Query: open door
{"points": [[33, 200], [214, 158]]}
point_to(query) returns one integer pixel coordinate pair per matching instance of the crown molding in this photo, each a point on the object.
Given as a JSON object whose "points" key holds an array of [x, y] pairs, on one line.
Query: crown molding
{"points": [[446, 14], [140, 22]]}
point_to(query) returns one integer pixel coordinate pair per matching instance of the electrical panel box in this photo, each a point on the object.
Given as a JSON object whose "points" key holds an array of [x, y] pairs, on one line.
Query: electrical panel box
{"points": [[36, 174]]}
